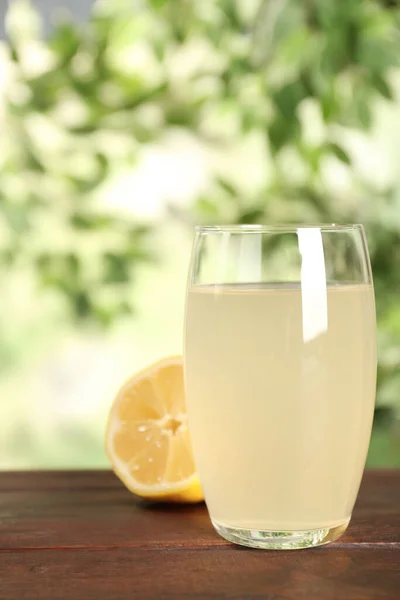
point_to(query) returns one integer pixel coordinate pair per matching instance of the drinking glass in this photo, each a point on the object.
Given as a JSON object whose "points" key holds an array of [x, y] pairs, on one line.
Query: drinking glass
{"points": [[280, 375]]}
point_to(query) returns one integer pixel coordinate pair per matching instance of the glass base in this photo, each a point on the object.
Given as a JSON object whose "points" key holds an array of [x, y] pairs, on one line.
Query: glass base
{"points": [[280, 540]]}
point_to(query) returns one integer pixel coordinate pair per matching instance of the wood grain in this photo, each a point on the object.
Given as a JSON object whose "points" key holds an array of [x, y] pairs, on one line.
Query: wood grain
{"points": [[81, 534], [220, 573], [93, 509]]}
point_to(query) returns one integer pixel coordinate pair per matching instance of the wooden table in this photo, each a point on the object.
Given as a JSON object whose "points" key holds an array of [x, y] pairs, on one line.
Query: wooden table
{"points": [[81, 535]]}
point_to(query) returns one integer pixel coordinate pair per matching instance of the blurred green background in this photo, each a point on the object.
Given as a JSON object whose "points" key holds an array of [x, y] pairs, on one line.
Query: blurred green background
{"points": [[121, 130]]}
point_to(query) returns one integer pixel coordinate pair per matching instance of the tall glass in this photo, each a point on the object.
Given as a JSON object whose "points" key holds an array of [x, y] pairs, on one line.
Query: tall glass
{"points": [[280, 374]]}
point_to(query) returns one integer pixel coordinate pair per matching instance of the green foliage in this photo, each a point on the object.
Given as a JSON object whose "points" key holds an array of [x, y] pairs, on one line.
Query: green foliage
{"points": [[70, 120], [298, 75]]}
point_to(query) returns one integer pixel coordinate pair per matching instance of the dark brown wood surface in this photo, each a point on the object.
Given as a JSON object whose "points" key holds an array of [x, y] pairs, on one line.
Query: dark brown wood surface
{"points": [[81, 535]]}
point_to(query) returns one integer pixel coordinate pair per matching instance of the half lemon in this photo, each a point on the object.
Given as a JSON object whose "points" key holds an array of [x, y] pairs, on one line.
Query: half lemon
{"points": [[147, 436]]}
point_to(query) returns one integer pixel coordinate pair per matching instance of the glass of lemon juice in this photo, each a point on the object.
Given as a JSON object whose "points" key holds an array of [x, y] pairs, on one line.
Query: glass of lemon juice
{"points": [[280, 374]]}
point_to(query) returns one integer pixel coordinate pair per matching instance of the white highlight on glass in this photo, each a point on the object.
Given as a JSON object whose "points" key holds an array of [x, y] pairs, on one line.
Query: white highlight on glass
{"points": [[313, 283]]}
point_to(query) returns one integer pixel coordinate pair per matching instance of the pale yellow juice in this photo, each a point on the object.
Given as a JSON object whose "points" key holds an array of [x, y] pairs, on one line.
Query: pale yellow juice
{"points": [[280, 396]]}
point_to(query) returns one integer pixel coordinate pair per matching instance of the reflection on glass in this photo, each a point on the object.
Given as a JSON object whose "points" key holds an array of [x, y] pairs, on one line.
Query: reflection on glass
{"points": [[313, 283]]}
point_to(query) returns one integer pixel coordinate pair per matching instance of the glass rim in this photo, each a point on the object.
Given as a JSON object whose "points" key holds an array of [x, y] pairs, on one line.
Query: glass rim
{"points": [[277, 228]]}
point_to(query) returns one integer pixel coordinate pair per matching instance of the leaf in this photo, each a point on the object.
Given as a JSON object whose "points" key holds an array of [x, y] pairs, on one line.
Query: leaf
{"points": [[334, 55], [377, 55], [82, 304], [91, 221], [34, 161], [207, 208], [65, 42], [143, 96], [339, 152], [232, 13], [328, 97], [251, 217], [227, 186], [250, 120], [322, 12], [116, 268], [311, 155], [288, 97], [364, 112], [106, 314], [281, 132], [382, 86], [140, 231], [296, 46], [72, 264], [316, 199]]}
